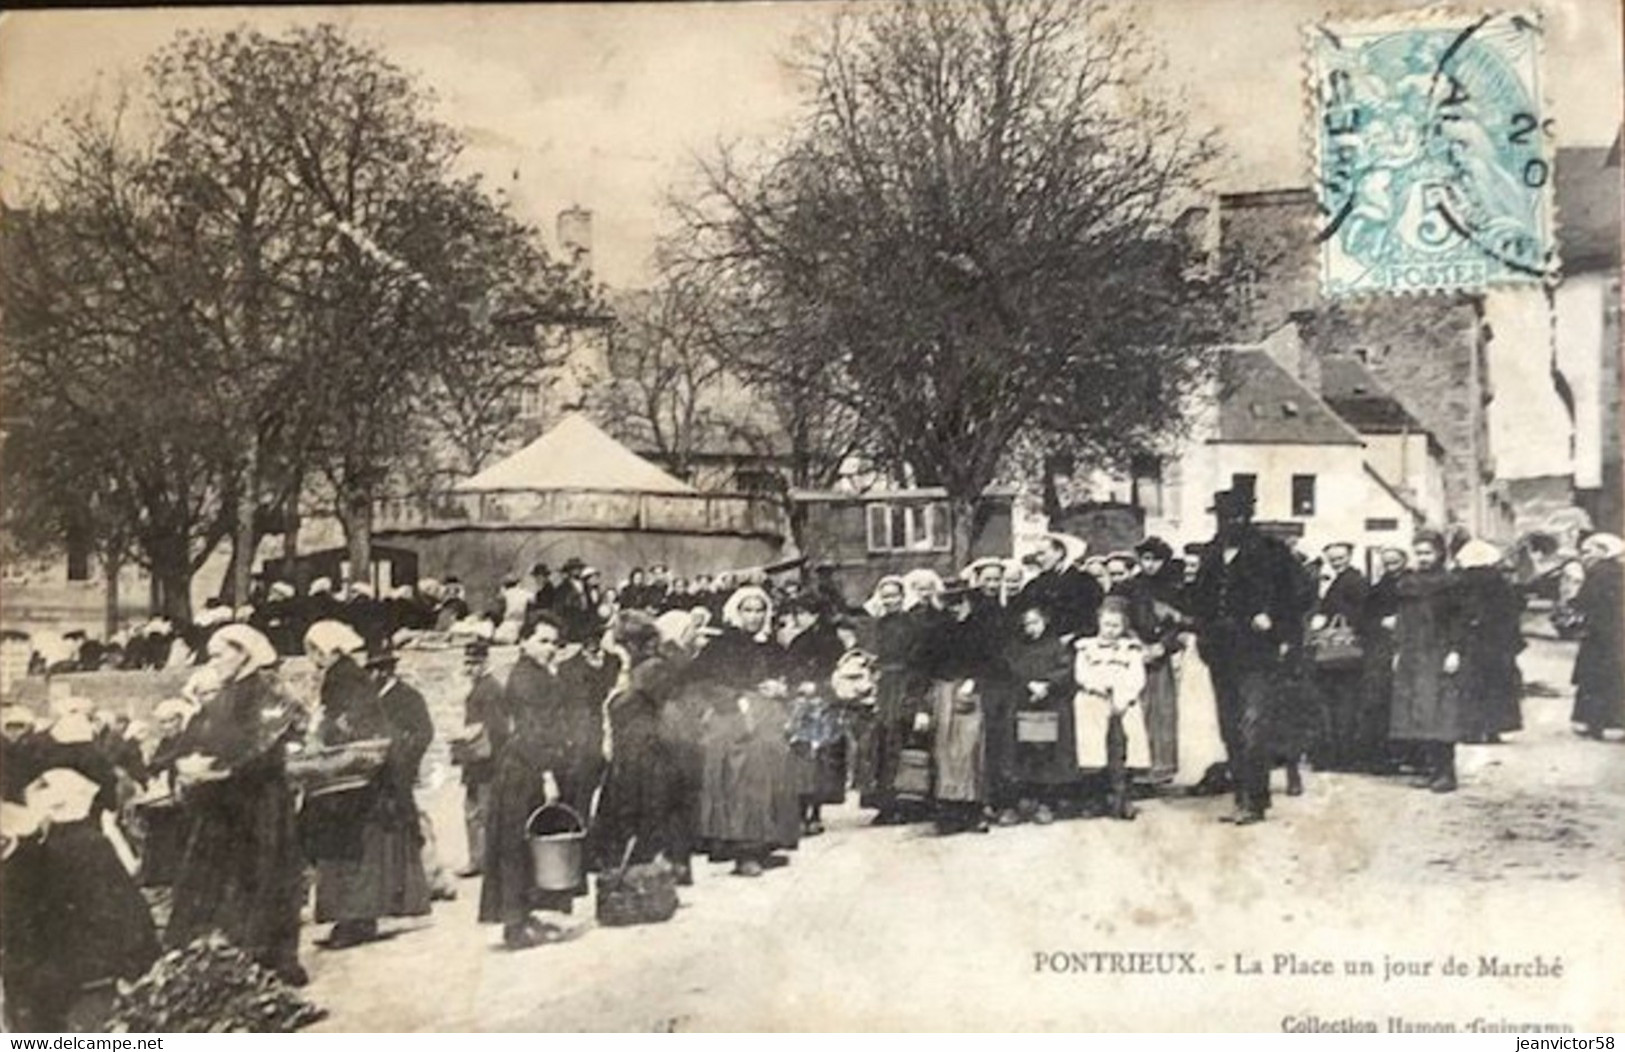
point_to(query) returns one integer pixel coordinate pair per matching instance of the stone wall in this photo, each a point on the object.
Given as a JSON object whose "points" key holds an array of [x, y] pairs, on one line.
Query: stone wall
{"points": [[437, 673], [1423, 350], [1429, 351]]}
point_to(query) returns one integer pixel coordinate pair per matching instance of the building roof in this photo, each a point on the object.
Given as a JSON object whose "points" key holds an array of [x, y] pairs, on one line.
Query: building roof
{"points": [[1357, 396], [1360, 398], [1261, 403], [1588, 207], [575, 455]]}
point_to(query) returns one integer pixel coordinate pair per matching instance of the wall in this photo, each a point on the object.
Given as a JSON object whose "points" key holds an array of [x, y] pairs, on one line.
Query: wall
{"points": [[36, 594], [1267, 251], [1586, 345], [482, 557], [1407, 463], [1345, 495], [1427, 350], [836, 533], [437, 673]]}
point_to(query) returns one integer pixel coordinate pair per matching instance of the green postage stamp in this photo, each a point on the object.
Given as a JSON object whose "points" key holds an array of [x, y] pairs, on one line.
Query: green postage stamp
{"points": [[1433, 153]]}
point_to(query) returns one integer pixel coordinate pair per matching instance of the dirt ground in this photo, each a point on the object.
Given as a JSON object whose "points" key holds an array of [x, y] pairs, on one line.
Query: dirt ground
{"points": [[894, 928]]}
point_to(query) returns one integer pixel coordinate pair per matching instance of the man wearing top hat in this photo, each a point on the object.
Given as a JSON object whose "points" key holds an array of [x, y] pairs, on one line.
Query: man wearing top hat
{"points": [[1249, 614]]}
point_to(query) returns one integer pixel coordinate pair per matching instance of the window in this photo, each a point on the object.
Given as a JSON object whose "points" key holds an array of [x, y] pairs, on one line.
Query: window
{"points": [[1147, 482], [907, 527], [1303, 495], [78, 556], [1245, 485]]}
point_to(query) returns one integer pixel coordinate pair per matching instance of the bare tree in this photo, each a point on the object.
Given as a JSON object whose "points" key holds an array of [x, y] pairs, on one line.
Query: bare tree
{"points": [[667, 386], [974, 220], [104, 329], [281, 280]]}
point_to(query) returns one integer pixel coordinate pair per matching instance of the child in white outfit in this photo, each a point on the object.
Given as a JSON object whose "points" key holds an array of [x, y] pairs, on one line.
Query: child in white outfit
{"points": [[1110, 672]]}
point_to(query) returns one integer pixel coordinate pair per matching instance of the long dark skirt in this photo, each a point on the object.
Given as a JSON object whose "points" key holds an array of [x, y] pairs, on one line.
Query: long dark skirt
{"points": [[818, 744], [1295, 713], [242, 871], [821, 771], [750, 795], [1371, 748], [1339, 696], [1160, 702], [384, 879], [508, 891], [959, 746], [645, 803], [881, 735], [1493, 687]]}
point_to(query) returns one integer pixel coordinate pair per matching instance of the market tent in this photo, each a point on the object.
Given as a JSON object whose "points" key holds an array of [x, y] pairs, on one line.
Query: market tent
{"points": [[575, 455]]}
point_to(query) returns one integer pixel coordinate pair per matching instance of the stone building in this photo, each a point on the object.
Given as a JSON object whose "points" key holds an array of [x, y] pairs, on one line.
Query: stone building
{"points": [[1429, 352], [1265, 428], [1584, 319]]}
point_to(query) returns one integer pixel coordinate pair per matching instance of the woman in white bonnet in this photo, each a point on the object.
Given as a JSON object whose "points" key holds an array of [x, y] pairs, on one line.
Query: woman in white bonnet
{"points": [[241, 872], [367, 842], [749, 802]]}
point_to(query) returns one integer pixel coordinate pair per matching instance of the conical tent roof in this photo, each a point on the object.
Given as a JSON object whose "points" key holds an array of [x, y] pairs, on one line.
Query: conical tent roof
{"points": [[575, 455]]}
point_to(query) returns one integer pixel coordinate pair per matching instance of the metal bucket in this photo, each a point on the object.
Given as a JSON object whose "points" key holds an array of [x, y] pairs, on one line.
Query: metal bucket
{"points": [[556, 855]]}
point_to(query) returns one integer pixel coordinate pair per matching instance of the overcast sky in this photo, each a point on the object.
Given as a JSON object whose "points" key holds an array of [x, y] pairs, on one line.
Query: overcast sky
{"points": [[603, 106]]}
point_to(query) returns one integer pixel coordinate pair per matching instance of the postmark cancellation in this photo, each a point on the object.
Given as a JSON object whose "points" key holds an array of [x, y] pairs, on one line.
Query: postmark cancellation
{"points": [[1433, 153]]}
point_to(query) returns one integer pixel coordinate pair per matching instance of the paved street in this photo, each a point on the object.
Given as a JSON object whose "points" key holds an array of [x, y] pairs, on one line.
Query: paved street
{"points": [[895, 928]]}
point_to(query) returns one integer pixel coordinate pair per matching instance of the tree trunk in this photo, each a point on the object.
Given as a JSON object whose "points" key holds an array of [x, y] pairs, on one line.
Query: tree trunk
{"points": [[795, 518], [290, 526], [356, 517], [1053, 509], [244, 540], [110, 569], [967, 529], [172, 578]]}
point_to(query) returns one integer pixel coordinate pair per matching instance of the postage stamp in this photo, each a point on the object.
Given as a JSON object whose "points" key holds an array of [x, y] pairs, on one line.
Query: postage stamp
{"points": [[1433, 153]]}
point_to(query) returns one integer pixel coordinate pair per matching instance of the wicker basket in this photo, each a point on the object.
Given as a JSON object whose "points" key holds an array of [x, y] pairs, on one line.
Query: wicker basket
{"points": [[338, 768], [643, 894]]}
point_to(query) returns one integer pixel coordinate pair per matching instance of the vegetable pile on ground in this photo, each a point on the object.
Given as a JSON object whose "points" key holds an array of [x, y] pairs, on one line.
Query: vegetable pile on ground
{"points": [[210, 987]]}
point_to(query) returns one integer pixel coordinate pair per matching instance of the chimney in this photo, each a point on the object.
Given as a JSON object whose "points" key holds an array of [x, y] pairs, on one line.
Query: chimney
{"points": [[575, 236], [1287, 346], [1308, 364]]}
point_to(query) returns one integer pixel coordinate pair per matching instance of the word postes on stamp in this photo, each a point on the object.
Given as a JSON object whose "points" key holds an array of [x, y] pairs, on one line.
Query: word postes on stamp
{"points": [[1433, 156]]}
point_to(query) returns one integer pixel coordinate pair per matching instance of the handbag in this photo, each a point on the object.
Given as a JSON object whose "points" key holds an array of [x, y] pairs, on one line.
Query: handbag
{"points": [[913, 776], [475, 748], [1038, 727], [1335, 645]]}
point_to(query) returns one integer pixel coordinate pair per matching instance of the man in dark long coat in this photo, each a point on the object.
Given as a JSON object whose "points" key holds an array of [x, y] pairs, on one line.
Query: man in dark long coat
{"points": [[1249, 610]]}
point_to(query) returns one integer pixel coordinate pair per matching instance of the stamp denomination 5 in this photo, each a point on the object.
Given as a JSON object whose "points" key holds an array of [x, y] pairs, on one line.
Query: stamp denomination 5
{"points": [[1433, 155]]}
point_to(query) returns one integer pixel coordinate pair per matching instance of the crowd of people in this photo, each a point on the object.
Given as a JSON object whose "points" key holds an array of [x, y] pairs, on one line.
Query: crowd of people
{"points": [[714, 719]]}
